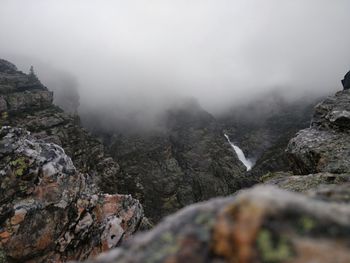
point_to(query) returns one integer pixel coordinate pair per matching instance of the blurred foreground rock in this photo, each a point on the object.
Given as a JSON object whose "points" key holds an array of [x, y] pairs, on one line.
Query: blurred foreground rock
{"points": [[259, 225]]}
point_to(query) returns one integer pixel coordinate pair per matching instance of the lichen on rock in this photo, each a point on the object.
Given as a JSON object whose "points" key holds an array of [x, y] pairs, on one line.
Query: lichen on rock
{"points": [[49, 211]]}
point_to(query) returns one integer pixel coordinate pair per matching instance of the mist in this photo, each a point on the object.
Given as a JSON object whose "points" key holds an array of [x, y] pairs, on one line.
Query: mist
{"points": [[131, 60]]}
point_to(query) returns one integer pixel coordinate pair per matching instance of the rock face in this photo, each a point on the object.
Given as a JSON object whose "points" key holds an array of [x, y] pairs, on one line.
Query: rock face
{"points": [[325, 147], [26, 103], [346, 81], [266, 224], [259, 225], [189, 161], [49, 211]]}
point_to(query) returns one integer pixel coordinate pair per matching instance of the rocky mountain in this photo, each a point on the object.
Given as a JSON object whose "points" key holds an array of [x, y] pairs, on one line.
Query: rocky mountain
{"points": [[52, 207], [26, 103], [266, 224], [189, 161]]}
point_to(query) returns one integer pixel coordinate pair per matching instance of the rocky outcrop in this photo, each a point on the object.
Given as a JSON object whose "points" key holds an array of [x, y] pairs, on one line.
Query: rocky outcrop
{"points": [[26, 103], [49, 211], [325, 146], [324, 186], [189, 161], [259, 225]]}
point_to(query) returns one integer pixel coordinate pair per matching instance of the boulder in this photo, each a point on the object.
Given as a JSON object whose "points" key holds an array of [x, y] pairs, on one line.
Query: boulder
{"points": [[49, 211], [325, 146], [263, 224]]}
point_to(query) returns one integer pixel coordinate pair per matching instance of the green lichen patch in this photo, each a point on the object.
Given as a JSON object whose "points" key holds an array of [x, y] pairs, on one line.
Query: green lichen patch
{"points": [[19, 166], [273, 249]]}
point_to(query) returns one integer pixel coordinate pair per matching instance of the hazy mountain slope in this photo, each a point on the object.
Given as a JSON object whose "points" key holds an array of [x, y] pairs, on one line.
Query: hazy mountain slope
{"points": [[189, 161], [265, 224]]}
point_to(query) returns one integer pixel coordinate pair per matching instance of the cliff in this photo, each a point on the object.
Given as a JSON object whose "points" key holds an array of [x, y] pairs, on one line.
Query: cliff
{"points": [[52, 207], [267, 224]]}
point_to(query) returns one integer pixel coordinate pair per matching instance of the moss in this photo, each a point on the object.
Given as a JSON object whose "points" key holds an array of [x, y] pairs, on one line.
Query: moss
{"points": [[20, 166], [273, 252]]}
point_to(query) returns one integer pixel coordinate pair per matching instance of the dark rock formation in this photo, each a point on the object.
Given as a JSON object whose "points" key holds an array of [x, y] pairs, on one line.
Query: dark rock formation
{"points": [[266, 224], [189, 161], [346, 81], [259, 225], [325, 147], [26, 103], [50, 212]]}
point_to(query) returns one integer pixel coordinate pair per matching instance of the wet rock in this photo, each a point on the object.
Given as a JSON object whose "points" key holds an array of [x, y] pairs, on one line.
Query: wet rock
{"points": [[50, 212], [259, 225]]}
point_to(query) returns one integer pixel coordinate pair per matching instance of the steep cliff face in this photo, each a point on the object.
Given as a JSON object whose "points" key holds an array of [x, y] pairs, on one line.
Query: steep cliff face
{"points": [[26, 103], [50, 212], [51, 206], [189, 161]]}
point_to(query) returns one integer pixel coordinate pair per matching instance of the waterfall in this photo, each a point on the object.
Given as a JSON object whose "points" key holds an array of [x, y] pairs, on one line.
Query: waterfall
{"points": [[247, 163]]}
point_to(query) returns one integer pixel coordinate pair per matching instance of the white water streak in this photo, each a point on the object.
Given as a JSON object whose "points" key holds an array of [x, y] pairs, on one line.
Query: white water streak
{"points": [[247, 163]]}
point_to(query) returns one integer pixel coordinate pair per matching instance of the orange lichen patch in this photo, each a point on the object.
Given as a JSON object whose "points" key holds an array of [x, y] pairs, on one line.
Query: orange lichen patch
{"points": [[47, 191], [127, 216], [111, 204], [104, 246], [44, 240], [19, 216], [325, 251], [236, 230], [95, 252], [4, 236]]}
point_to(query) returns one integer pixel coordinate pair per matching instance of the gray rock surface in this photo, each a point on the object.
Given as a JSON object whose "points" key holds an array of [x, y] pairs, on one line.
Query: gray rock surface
{"points": [[49, 211], [325, 147]]}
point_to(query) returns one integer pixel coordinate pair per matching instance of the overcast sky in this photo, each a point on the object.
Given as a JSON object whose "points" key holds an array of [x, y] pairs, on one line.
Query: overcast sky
{"points": [[144, 54]]}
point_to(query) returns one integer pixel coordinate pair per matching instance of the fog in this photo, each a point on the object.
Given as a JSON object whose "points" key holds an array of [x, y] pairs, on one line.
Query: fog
{"points": [[133, 59]]}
